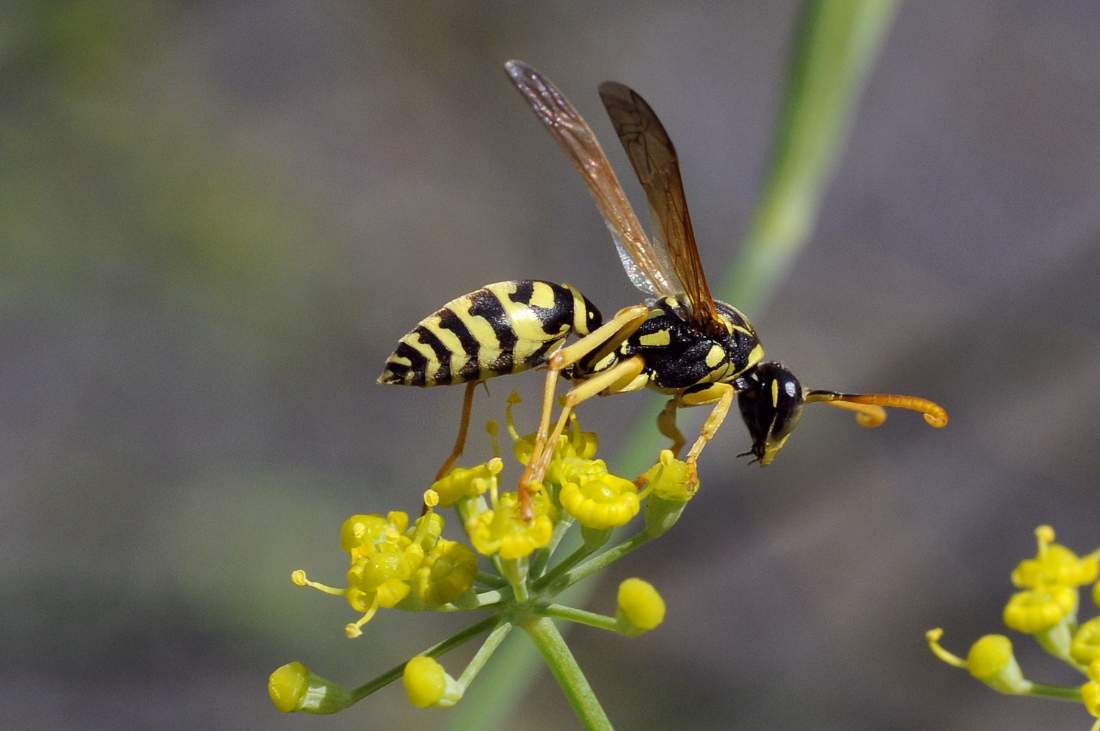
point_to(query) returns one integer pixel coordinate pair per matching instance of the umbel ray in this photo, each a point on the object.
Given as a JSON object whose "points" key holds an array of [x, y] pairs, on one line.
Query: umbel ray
{"points": [[680, 341]]}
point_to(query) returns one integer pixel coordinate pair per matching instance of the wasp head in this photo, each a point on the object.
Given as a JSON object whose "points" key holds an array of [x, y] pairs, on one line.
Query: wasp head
{"points": [[771, 401]]}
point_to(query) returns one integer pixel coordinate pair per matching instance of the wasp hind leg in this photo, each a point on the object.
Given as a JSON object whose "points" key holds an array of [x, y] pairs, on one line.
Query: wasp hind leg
{"points": [[463, 429], [601, 341], [614, 380]]}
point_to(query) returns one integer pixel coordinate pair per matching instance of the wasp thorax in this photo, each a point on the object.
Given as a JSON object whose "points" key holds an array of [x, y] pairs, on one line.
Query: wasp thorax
{"points": [[771, 405]]}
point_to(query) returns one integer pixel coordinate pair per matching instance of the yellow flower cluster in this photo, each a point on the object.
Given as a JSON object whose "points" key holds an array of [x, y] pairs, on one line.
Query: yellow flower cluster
{"points": [[1045, 608], [393, 563]]}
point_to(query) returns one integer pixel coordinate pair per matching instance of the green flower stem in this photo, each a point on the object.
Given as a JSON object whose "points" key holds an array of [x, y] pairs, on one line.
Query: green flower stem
{"points": [[538, 566], [435, 650], [568, 673], [583, 551], [582, 616], [492, 580], [594, 564], [1056, 692], [492, 642]]}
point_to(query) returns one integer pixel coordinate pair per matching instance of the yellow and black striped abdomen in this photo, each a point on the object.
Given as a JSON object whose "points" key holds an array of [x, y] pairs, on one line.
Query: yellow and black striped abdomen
{"points": [[501, 328]]}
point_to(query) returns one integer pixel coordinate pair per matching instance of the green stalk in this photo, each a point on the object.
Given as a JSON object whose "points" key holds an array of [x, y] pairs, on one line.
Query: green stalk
{"points": [[492, 642], [434, 651], [582, 616], [568, 673], [1056, 692]]}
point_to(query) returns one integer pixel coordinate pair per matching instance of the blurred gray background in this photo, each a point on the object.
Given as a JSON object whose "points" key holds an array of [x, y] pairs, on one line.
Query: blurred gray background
{"points": [[217, 218]]}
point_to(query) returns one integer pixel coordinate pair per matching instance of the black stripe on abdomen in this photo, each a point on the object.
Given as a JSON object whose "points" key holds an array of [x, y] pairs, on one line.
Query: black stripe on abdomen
{"points": [[470, 345], [442, 375], [484, 304]]}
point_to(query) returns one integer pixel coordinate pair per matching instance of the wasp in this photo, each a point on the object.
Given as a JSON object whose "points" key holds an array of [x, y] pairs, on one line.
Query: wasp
{"points": [[681, 341]]}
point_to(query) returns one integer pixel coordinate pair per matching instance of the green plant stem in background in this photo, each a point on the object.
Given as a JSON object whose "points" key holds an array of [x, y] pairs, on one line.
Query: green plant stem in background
{"points": [[833, 52]]}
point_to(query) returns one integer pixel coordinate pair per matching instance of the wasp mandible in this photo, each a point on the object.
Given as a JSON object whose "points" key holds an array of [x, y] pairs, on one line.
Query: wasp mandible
{"points": [[681, 341]]}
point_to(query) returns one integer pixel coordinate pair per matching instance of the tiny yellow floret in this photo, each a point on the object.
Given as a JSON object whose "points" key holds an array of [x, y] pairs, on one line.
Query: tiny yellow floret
{"points": [[1090, 691], [502, 530], [640, 605], [425, 681], [671, 479], [447, 573], [467, 482], [601, 502], [287, 686], [1038, 610], [1055, 564], [1085, 647]]}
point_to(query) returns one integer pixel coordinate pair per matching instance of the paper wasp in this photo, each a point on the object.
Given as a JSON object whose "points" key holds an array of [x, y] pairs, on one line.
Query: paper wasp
{"points": [[681, 341]]}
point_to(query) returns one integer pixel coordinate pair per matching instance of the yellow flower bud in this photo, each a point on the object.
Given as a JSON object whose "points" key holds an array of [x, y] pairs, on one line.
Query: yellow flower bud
{"points": [[502, 530], [287, 686], [425, 681], [991, 661], [293, 688], [601, 502], [641, 607], [467, 482], [1085, 647], [1037, 610], [447, 573]]}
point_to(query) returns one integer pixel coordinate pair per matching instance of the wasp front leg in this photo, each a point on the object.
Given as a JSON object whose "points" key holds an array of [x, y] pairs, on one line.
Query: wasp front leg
{"points": [[598, 343], [720, 394]]}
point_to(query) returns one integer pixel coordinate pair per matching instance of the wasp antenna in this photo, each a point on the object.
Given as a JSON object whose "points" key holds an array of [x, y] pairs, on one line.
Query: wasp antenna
{"points": [[868, 406]]}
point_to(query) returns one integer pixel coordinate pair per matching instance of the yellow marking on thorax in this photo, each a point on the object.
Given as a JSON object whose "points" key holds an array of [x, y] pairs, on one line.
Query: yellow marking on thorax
{"points": [[715, 356], [755, 356], [657, 339], [775, 393]]}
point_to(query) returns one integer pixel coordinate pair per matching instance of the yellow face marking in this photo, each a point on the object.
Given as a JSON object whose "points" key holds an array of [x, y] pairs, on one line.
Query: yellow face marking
{"points": [[655, 340], [715, 356], [542, 296], [775, 393]]}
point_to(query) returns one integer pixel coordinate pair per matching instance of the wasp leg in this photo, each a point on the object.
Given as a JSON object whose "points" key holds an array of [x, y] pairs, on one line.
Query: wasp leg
{"points": [[618, 377], [666, 424], [600, 341], [723, 394], [463, 428]]}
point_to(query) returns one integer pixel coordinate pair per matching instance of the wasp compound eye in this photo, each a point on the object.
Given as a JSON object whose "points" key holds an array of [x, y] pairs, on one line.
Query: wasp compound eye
{"points": [[771, 406]]}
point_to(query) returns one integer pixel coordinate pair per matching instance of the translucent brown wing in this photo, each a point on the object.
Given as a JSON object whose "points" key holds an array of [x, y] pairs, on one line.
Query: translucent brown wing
{"points": [[646, 266], [650, 150]]}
